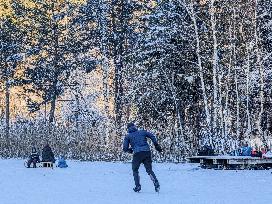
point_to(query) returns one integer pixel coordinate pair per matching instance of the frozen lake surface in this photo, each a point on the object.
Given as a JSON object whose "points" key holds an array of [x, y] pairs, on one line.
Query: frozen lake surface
{"points": [[112, 183]]}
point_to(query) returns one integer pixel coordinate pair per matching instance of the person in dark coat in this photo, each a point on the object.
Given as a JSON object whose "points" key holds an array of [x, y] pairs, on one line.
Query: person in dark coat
{"points": [[33, 158], [137, 139], [206, 150], [47, 154]]}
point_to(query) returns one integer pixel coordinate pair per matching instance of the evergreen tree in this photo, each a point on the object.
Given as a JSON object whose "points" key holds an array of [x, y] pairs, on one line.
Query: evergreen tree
{"points": [[11, 49]]}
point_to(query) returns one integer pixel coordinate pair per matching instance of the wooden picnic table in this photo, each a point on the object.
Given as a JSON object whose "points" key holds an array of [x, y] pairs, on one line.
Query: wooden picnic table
{"points": [[232, 162]]}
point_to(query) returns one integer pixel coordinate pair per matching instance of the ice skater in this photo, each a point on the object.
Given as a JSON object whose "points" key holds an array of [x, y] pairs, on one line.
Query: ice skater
{"points": [[137, 139]]}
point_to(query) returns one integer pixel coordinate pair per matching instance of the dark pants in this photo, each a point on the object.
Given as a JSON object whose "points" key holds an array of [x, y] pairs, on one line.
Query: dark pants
{"points": [[32, 160], [145, 158]]}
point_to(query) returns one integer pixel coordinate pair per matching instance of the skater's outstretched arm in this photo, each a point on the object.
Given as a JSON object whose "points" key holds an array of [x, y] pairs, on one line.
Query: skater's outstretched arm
{"points": [[152, 137], [154, 140]]}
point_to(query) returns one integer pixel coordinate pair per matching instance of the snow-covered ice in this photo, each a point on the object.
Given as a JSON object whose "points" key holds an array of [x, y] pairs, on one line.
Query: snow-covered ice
{"points": [[112, 183]]}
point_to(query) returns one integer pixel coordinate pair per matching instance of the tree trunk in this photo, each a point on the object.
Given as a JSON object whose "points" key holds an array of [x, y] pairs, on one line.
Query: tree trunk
{"points": [[7, 93], [215, 70], [249, 129], [53, 104], [118, 23], [201, 71], [260, 69], [77, 112]]}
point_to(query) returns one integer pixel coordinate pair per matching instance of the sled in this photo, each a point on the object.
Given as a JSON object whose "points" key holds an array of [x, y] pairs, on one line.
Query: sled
{"points": [[47, 165], [41, 164]]}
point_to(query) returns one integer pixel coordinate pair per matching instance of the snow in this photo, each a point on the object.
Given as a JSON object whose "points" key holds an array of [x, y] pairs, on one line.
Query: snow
{"points": [[111, 183]]}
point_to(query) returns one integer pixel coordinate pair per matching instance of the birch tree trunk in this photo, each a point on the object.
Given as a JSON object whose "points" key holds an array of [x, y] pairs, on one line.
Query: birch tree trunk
{"points": [[249, 129], [200, 67], [179, 120], [215, 68], [226, 107], [237, 104], [259, 67]]}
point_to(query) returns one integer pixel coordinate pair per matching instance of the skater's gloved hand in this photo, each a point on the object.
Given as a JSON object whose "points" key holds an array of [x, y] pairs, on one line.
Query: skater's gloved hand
{"points": [[130, 150], [158, 148]]}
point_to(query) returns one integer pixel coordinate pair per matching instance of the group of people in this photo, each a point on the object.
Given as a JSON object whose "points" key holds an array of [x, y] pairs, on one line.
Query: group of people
{"points": [[135, 143], [246, 150], [47, 156]]}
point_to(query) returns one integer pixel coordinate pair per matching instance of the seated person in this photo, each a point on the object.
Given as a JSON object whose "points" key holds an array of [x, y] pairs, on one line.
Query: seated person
{"points": [[246, 150], [256, 153], [268, 154], [33, 158], [236, 152], [47, 154], [62, 163], [263, 150], [206, 150]]}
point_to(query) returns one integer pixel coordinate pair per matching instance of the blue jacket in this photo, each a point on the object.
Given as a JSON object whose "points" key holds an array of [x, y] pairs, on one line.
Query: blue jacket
{"points": [[246, 151], [137, 139], [62, 163]]}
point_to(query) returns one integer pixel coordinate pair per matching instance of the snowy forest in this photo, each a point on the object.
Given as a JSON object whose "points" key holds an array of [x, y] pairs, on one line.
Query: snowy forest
{"points": [[73, 73]]}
